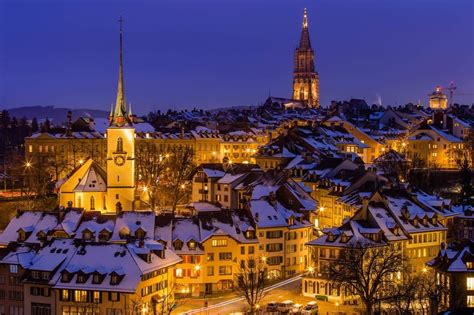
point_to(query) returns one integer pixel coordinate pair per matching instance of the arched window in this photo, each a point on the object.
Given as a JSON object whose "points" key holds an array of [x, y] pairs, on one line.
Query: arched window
{"points": [[301, 93], [119, 144], [92, 203]]}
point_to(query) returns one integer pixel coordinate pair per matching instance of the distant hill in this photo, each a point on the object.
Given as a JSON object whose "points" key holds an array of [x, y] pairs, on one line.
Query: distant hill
{"points": [[56, 115]]}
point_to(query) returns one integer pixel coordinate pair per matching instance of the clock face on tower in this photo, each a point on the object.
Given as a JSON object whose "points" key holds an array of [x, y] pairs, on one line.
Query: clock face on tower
{"points": [[119, 160]]}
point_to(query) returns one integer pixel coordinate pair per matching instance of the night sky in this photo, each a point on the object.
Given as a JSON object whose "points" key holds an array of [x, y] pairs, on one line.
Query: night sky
{"points": [[216, 53]]}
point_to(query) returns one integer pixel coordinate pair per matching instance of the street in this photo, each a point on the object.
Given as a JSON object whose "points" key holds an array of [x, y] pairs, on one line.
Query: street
{"points": [[285, 290]]}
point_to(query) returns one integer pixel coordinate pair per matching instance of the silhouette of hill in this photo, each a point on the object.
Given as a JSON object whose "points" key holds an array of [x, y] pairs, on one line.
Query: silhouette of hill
{"points": [[56, 115]]}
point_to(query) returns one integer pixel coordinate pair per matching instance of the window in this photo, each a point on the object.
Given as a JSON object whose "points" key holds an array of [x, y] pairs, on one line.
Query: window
{"points": [[251, 250], [96, 297], [219, 243], [210, 257], [119, 144], [470, 301], [210, 271], [242, 250], [40, 309], [114, 297], [65, 296], [114, 311], [470, 283], [275, 247], [16, 310], [76, 310], [179, 273], [80, 296], [225, 256], [13, 268], [274, 234], [92, 203], [225, 270]]}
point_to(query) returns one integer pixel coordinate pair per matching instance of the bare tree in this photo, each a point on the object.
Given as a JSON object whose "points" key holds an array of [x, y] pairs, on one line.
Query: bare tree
{"points": [[251, 281], [150, 167], [167, 303], [404, 294], [366, 270], [179, 165]]}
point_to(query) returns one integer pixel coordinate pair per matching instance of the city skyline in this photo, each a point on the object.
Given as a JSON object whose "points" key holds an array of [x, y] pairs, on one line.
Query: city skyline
{"points": [[87, 53]]}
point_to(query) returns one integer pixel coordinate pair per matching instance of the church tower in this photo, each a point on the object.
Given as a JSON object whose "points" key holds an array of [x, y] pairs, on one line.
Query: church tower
{"points": [[305, 78], [120, 150]]}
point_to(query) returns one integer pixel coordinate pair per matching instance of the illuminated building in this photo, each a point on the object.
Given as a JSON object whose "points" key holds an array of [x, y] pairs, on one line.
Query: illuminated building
{"points": [[305, 78]]}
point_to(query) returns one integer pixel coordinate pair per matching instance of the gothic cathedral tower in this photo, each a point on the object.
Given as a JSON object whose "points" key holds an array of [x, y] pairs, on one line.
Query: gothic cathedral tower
{"points": [[120, 150], [305, 78]]}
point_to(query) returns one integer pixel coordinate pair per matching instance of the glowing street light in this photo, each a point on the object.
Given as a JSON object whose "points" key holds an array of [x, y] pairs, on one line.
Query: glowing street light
{"points": [[81, 161], [145, 189], [28, 164]]}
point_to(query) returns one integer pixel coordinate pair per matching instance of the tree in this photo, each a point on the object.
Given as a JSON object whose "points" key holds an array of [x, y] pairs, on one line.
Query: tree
{"points": [[166, 303], [178, 167], [466, 182], [366, 270], [150, 167], [251, 281], [403, 295], [34, 125]]}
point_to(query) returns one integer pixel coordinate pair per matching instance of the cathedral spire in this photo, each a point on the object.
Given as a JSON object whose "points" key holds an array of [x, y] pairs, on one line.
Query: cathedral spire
{"points": [[305, 43], [120, 116]]}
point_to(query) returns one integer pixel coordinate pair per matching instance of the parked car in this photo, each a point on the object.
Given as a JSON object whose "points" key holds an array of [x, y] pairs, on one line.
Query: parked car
{"points": [[272, 307], [310, 308], [296, 309], [285, 306]]}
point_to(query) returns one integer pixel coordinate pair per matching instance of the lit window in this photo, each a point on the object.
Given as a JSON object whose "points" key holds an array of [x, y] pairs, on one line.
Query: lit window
{"points": [[179, 273], [30, 148], [219, 243], [470, 283], [470, 301]]}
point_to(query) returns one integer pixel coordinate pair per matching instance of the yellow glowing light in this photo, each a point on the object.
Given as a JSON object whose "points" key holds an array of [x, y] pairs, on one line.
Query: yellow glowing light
{"points": [[182, 186], [257, 306], [248, 150], [197, 267], [230, 162], [425, 270], [81, 161], [264, 258], [145, 189], [167, 156], [383, 149], [404, 144], [214, 153], [311, 269], [28, 164], [321, 209], [337, 303]]}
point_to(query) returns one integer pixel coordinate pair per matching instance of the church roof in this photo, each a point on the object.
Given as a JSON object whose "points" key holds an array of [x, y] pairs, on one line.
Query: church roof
{"points": [[94, 180]]}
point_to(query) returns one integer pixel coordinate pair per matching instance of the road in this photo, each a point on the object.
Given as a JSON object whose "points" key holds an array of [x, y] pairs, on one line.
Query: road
{"points": [[285, 290]]}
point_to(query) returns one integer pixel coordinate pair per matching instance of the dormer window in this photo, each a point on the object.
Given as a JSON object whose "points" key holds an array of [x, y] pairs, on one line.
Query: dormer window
{"points": [[291, 220], [82, 277], [344, 238], [192, 245], [178, 244], [97, 278], [250, 234], [470, 265], [41, 235], [331, 237], [104, 236], [66, 276], [115, 278], [425, 221], [140, 233], [87, 235], [21, 235]]}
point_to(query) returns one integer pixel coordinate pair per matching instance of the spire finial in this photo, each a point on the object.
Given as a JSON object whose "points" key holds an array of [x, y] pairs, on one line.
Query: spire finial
{"points": [[305, 18], [120, 113], [305, 43]]}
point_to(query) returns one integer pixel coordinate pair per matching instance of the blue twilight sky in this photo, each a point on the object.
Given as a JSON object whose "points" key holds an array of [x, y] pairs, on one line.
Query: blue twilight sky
{"points": [[213, 53]]}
